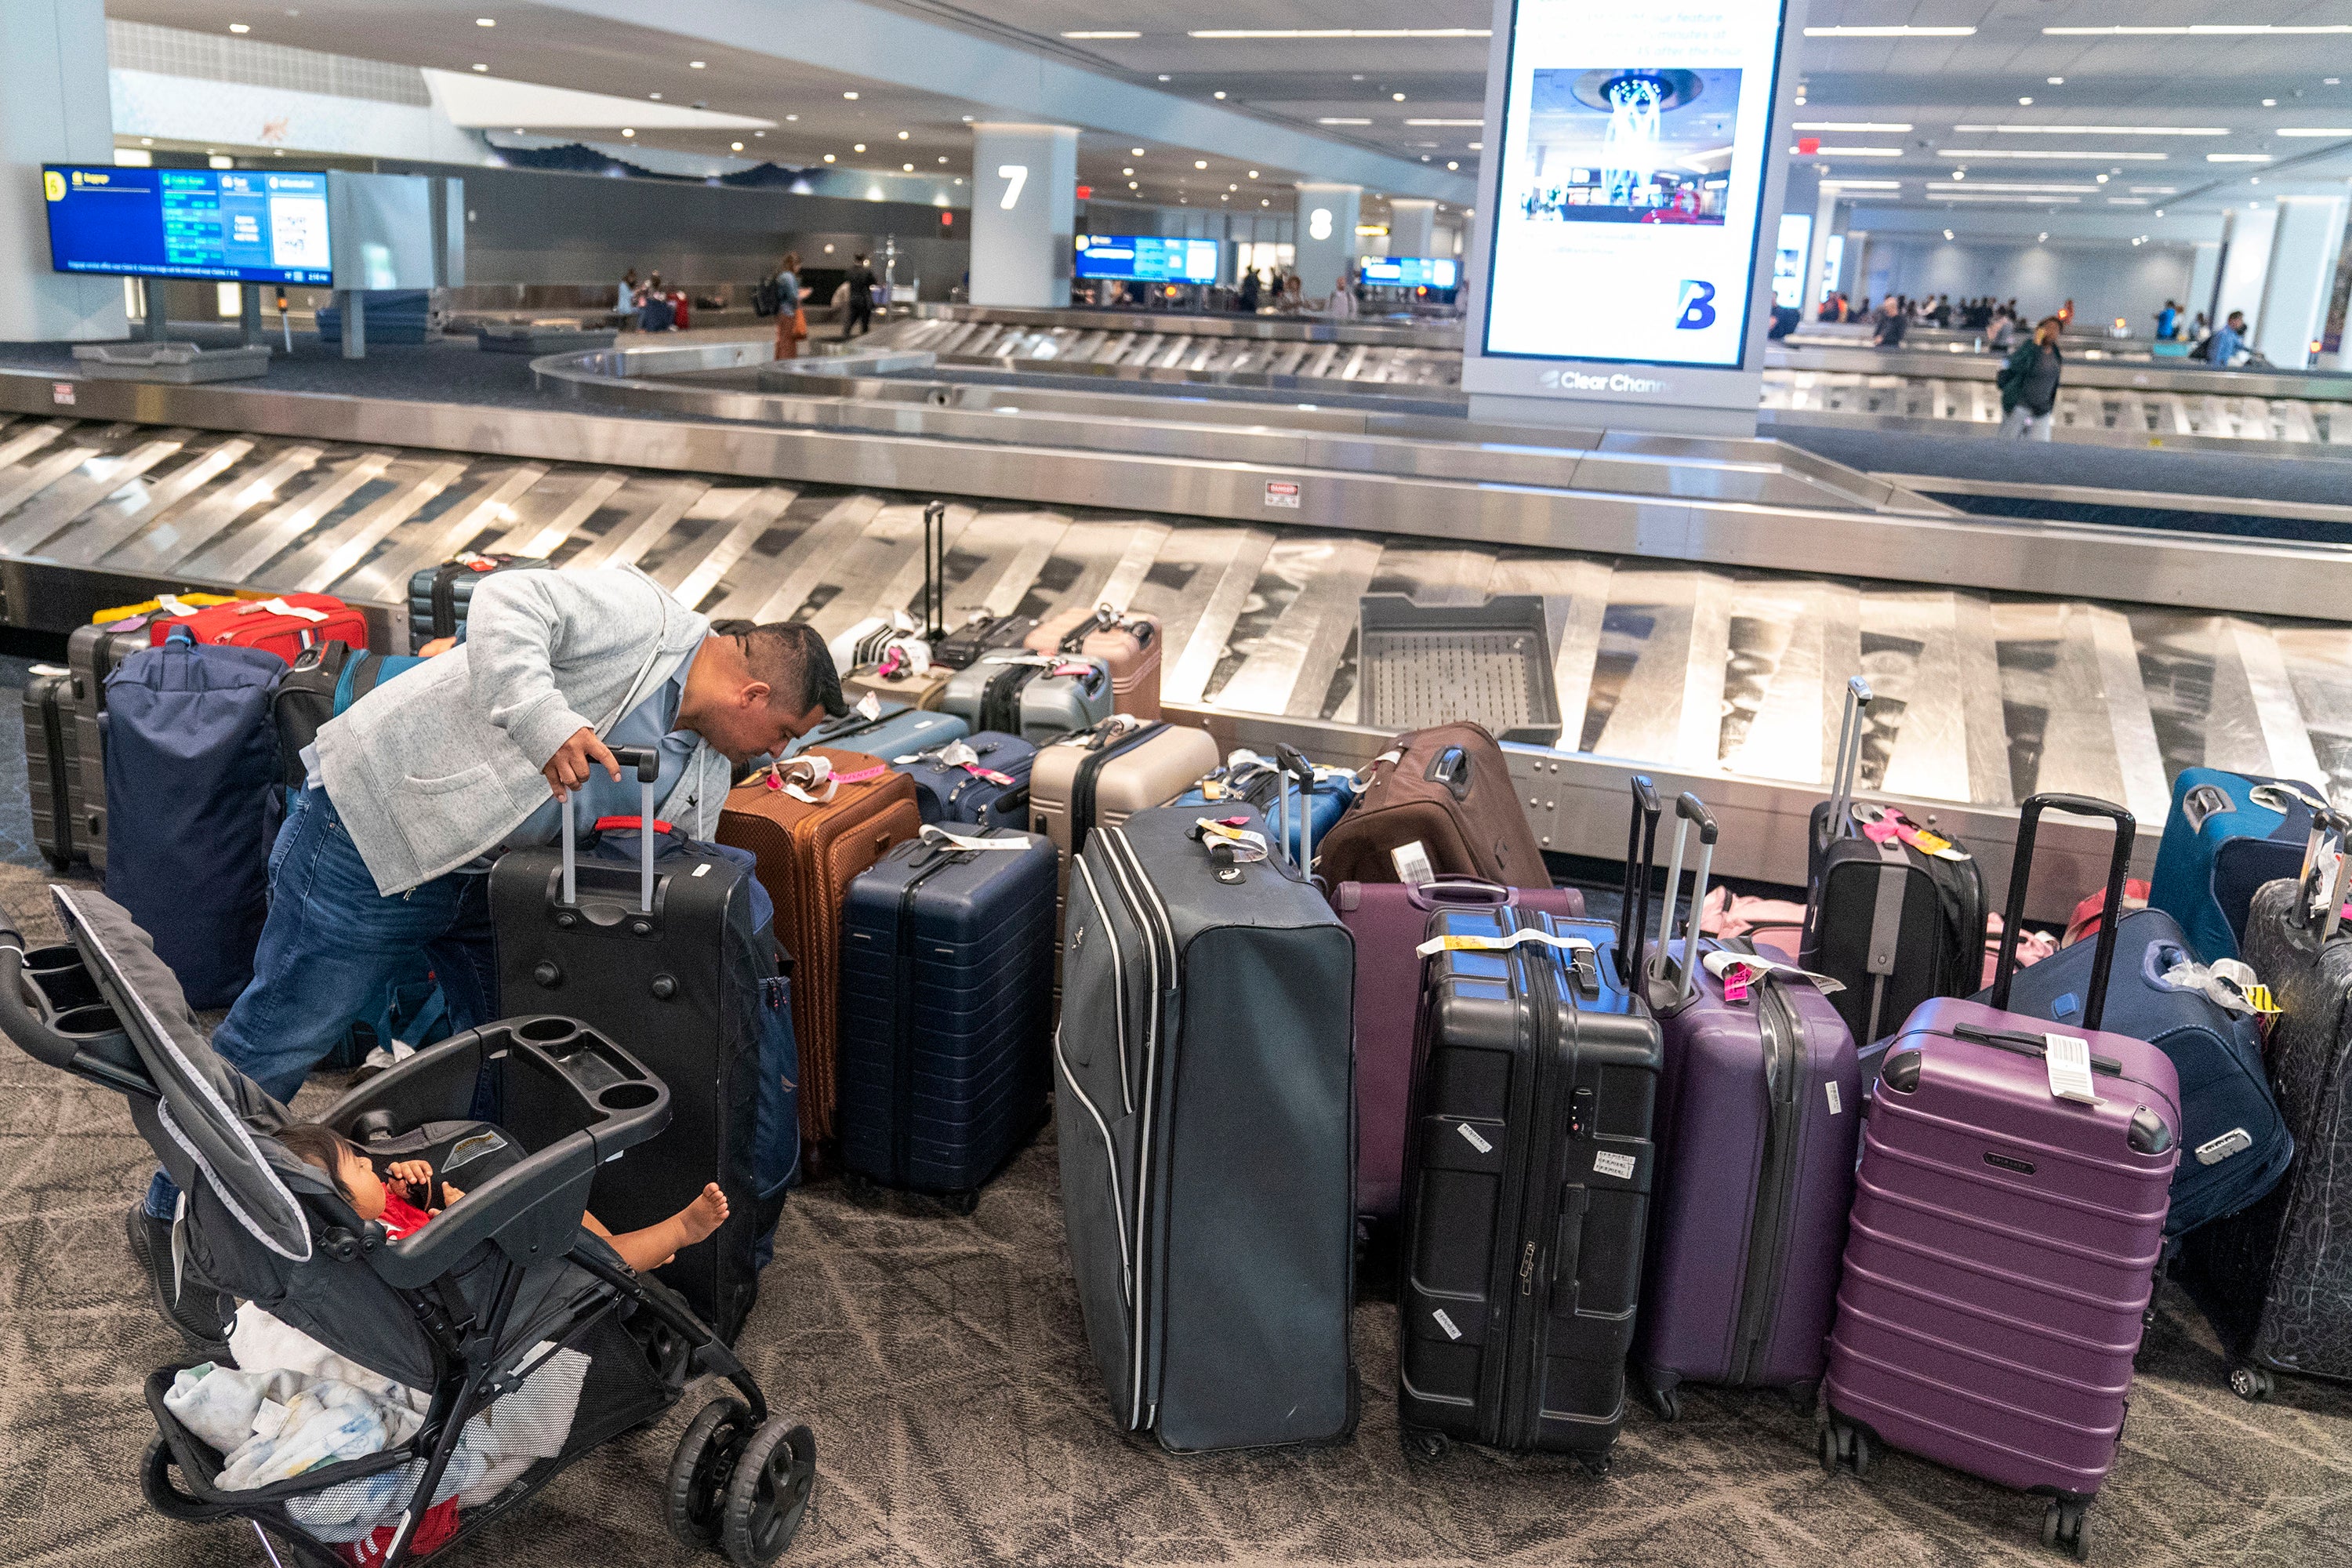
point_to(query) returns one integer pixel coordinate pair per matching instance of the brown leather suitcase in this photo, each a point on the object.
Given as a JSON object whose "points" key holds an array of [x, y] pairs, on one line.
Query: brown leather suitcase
{"points": [[1130, 644], [1448, 790], [922, 691], [812, 840]]}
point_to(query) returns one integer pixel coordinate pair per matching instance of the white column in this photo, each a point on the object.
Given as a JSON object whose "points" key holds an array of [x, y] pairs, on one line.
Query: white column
{"points": [[1850, 273], [1817, 250], [2304, 249], [1413, 226], [52, 109], [2246, 264], [2203, 275], [1023, 211], [1325, 243]]}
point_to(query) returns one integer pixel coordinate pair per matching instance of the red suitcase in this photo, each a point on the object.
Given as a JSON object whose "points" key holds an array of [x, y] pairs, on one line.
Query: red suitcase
{"points": [[2005, 1235], [284, 626]]}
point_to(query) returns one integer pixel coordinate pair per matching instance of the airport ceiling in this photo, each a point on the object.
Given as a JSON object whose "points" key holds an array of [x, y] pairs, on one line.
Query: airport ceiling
{"points": [[2106, 106]]}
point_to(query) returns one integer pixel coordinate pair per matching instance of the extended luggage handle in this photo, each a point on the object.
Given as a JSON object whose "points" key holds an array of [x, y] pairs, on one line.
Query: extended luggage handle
{"points": [[935, 571], [1849, 756], [2102, 958], [1641, 859], [646, 760], [2325, 823], [1296, 768], [1689, 810]]}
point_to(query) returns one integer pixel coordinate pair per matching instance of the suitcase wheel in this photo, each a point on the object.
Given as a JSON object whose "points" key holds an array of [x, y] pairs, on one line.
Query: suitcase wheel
{"points": [[859, 1189], [2067, 1525], [962, 1202], [1594, 1466], [1424, 1445], [1844, 1444], [2251, 1382], [1667, 1402]]}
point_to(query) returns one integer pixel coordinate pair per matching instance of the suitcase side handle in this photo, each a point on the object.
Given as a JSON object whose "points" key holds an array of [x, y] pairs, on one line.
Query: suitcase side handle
{"points": [[1684, 981], [2325, 823], [1641, 859], [2103, 960]]}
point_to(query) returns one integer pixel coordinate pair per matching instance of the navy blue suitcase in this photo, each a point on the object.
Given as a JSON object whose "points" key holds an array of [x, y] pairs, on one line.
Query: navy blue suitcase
{"points": [[2234, 1143], [946, 981], [2226, 836], [990, 790]]}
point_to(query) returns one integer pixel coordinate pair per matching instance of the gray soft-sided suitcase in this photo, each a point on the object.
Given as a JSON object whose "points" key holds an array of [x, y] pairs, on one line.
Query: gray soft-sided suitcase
{"points": [[1208, 1166], [51, 771]]}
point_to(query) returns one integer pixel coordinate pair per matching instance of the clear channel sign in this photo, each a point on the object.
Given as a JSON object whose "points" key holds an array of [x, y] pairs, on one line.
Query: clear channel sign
{"points": [[1626, 191]]}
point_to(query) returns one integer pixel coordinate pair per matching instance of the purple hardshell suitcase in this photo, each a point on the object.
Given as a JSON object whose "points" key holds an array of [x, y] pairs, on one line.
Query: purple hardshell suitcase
{"points": [[1760, 1107], [2004, 1240], [1389, 920]]}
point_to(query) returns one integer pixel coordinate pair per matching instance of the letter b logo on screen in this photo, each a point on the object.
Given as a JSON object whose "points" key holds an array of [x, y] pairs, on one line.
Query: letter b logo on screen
{"points": [[1697, 308]]}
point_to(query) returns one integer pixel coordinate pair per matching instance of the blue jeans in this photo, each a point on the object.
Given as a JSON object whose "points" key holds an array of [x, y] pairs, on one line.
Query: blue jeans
{"points": [[329, 942]]}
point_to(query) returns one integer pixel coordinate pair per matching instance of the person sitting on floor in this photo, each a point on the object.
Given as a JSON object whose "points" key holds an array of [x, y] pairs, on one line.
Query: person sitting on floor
{"points": [[353, 1174]]}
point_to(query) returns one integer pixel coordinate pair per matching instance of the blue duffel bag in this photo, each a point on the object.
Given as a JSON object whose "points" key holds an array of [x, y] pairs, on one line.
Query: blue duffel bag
{"points": [[2234, 1144], [190, 769], [2227, 834], [1256, 781]]}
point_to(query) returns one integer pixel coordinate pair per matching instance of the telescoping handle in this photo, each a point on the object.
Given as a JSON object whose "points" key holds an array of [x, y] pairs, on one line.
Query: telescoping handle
{"points": [[1849, 756], [1689, 810], [1641, 859], [648, 763], [2326, 824], [1294, 766], [935, 571], [2028, 820]]}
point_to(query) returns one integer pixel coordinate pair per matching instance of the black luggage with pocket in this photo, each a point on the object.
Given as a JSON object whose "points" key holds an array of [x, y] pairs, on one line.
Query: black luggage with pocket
{"points": [[92, 653], [668, 943], [439, 596], [51, 771], [1528, 1172], [1204, 1119], [961, 648], [1893, 925], [947, 983]]}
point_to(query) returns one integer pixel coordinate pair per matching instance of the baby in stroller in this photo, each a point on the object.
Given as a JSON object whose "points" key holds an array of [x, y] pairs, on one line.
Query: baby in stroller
{"points": [[456, 1328], [354, 1174]]}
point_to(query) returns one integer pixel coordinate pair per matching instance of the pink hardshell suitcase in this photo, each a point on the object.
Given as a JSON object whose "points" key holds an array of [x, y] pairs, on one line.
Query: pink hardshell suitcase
{"points": [[2004, 1238]]}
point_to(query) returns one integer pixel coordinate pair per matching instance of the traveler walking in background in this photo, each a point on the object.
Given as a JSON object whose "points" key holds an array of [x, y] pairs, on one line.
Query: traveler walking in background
{"points": [[2228, 342], [791, 325], [2168, 321], [859, 316], [2029, 384], [1251, 290], [1341, 305], [624, 305], [1894, 320]]}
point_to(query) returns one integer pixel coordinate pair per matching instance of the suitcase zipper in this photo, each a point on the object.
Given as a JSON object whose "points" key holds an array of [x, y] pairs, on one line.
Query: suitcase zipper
{"points": [[902, 1043], [1516, 1413], [1767, 1244], [1152, 918]]}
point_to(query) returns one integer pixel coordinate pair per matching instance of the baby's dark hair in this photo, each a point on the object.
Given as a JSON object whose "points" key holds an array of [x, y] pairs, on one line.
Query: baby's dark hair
{"points": [[315, 1143]]}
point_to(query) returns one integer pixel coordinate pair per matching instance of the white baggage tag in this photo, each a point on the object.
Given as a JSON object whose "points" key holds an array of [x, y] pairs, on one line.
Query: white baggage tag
{"points": [[2068, 1058], [869, 707], [280, 607], [938, 838], [1412, 866], [1720, 960]]}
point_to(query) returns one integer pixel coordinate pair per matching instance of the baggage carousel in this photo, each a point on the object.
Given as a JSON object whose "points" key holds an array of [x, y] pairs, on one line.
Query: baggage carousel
{"points": [[1698, 606]]}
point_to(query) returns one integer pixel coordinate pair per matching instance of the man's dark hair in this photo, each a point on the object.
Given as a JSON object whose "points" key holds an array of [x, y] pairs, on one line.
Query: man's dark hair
{"points": [[315, 1143], [794, 662]]}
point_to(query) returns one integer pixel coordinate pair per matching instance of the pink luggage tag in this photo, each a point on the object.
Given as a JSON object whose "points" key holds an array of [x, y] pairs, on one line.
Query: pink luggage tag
{"points": [[1737, 981]]}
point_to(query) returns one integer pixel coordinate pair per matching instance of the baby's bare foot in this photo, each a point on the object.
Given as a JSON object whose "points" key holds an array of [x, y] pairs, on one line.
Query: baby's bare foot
{"points": [[704, 1214]]}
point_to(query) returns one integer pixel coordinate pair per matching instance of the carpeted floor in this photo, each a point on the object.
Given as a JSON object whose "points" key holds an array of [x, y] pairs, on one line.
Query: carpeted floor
{"points": [[943, 1365]]}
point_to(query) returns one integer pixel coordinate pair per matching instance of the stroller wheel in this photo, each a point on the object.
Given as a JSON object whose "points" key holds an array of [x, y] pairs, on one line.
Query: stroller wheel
{"points": [[769, 1493], [701, 1469], [163, 1495]]}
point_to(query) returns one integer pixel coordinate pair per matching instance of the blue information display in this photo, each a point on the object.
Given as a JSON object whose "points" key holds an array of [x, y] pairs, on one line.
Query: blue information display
{"points": [[234, 224], [1147, 258], [1410, 271]]}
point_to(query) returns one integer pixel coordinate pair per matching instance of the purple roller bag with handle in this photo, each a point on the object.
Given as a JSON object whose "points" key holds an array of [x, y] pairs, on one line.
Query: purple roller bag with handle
{"points": [[1759, 1110], [2008, 1219], [1389, 921]]}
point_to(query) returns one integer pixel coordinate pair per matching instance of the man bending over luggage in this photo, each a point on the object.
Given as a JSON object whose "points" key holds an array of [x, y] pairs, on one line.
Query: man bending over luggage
{"points": [[415, 791]]}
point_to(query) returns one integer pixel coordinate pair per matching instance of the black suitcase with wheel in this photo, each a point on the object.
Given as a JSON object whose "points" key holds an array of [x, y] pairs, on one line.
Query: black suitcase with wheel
{"points": [[51, 771], [1527, 1168], [669, 946], [92, 653]]}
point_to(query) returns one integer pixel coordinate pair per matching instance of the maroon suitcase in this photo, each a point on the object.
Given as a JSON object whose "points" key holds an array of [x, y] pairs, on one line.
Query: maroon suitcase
{"points": [[2005, 1239], [1759, 1110], [1389, 921]]}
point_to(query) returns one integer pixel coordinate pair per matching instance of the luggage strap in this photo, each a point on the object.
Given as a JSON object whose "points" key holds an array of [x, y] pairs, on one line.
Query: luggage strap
{"points": [[1243, 845], [280, 607], [1115, 735], [1584, 958], [955, 754], [811, 780]]}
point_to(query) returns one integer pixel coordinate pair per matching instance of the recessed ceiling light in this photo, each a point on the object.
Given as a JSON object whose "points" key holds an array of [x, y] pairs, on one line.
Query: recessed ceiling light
{"points": [[1264, 202], [2096, 130], [486, 21], [857, 147], [146, 141], [238, 27], [1341, 33], [1217, 95], [1165, 77], [943, 159], [1398, 96], [1233, 187], [1473, 123], [1478, 146], [1200, 163], [2317, 131], [828, 158], [850, 96], [1105, 34], [519, 131], [1894, 126], [2160, 212], [1335, 120], [1897, 32], [2055, 80], [479, 66], [902, 135], [1127, 171], [1948, 234], [1131, 186], [2237, 157], [735, 146], [655, 95], [1252, 174], [2088, 155], [2102, 179], [2269, 103], [907, 168], [2024, 100], [695, 65], [628, 130]]}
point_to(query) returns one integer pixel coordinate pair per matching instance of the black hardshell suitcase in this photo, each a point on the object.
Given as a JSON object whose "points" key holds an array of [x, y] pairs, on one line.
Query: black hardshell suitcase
{"points": [[688, 985], [961, 648], [92, 653], [2276, 1279], [1527, 1174], [1205, 1120], [947, 980], [51, 771], [1892, 925]]}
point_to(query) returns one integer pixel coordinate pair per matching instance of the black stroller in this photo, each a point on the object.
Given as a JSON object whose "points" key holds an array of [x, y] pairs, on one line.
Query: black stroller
{"points": [[465, 1310]]}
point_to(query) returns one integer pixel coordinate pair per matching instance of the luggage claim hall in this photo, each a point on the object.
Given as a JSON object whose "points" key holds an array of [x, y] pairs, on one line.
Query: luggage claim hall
{"points": [[903, 784]]}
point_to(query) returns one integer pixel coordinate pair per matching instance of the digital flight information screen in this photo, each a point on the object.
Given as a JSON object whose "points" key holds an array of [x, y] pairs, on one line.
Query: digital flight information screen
{"points": [[238, 226], [1410, 271], [1146, 258]]}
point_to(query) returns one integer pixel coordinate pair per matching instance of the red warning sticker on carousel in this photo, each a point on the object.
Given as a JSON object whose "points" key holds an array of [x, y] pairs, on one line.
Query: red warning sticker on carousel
{"points": [[62, 393], [1281, 492]]}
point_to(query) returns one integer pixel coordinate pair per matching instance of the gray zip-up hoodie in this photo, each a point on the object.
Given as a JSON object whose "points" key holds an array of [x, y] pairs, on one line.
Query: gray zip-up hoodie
{"points": [[437, 768]]}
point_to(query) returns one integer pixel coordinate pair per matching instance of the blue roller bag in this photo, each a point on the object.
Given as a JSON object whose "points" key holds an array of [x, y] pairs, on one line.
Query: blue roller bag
{"points": [[947, 983], [989, 789], [894, 730], [2228, 834], [190, 769], [1252, 779], [2234, 1146]]}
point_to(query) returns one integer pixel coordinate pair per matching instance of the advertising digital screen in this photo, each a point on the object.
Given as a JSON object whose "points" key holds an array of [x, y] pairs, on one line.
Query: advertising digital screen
{"points": [[234, 224], [1147, 258], [1788, 261], [1633, 145], [1410, 271]]}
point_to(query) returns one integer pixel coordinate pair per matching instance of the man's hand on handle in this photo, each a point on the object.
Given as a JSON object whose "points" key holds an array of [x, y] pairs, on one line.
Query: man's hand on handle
{"points": [[568, 769]]}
